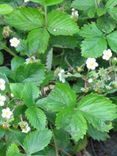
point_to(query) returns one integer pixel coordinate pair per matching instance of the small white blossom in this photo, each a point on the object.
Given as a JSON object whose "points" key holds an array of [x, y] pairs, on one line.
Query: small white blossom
{"points": [[26, 129], [12, 95], [14, 42], [25, 1], [90, 80], [2, 84], [74, 13], [107, 54], [91, 63], [54, 30], [30, 60], [24, 126], [61, 75], [7, 113], [2, 100]]}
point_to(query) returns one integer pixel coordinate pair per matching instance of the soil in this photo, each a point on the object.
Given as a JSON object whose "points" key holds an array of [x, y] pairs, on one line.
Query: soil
{"points": [[107, 148]]}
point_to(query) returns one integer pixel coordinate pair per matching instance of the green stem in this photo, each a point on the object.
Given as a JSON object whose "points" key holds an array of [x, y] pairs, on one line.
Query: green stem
{"points": [[46, 17], [9, 51]]}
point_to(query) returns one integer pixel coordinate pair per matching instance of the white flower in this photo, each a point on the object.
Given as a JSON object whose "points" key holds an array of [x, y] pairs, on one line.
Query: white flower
{"points": [[24, 126], [26, 129], [74, 13], [7, 113], [30, 60], [2, 84], [107, 54], [14, 42], [91, 63], [90, 80], [12, 95], [2, 100], [61, 75], [25, 1]]}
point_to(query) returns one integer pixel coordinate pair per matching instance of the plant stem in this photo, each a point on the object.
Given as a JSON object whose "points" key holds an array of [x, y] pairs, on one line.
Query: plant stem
{"points": [[55, 144], [9, 51], [46, 18]]}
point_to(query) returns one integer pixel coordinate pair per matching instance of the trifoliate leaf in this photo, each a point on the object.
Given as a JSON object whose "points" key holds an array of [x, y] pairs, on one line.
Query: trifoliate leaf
{"points": [[37, 41], [96, 134], [62, 96], [60, 23], [93, 47], [36, 117], [113, 13], [13, 150], [37, 141], [112, 41], [106, 24], [16, 62], [73, 122], [25, 19], [47, 2], [98, 111], [5, 9], [83, 5], [94, 43], [32, 72], [27, 92], [90, 31], [111, 4]]}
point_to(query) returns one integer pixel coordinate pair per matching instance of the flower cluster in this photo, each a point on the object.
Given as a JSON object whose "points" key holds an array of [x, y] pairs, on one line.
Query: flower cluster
{"points": [[2, 84], [91, 62], [24, 126]]}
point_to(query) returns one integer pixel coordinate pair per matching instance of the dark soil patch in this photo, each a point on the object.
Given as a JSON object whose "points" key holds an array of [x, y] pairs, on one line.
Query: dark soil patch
{"points": [[107, 148]]}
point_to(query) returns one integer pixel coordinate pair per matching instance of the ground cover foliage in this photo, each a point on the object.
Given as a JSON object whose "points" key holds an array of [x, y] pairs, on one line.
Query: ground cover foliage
{"points": [[58, 75]]}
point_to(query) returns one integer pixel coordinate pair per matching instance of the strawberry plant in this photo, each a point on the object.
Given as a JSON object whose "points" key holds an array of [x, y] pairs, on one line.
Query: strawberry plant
{"points": [[58, 75]]}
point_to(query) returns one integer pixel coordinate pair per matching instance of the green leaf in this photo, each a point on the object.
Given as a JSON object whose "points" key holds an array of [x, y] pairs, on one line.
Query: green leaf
{"points": [[93, 47], [113, 13], [49, 59], [13, 150], [94, 43], [47, 2], [96, 134], [60, 23], [38, 40], [112, 41], [5, 9], [111, 4], [106, 24], [64, 41], [32, 72], [90, 31], [98, 111], [36, 117], [83, 4], [28, 92], [62, 96], [37, 141], [73, 122], [25, 19], [1, 58], [16, 62]]}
